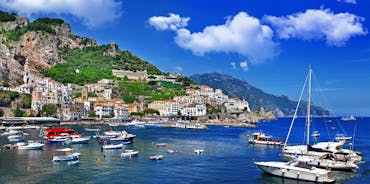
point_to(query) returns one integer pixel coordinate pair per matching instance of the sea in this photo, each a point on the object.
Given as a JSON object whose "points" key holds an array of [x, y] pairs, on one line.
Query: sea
{"points": [[227, 156]]}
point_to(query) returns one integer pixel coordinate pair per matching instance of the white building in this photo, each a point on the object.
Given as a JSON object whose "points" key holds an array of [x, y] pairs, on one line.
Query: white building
{"points": [[236, 104], [194, 110]]}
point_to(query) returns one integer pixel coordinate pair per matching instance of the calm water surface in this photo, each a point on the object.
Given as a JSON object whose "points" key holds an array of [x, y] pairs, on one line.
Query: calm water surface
{"points": [[228, 158]]}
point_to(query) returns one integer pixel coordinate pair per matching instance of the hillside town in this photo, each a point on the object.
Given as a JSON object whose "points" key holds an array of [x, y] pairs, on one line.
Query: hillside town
{"points": [[97, 101]]}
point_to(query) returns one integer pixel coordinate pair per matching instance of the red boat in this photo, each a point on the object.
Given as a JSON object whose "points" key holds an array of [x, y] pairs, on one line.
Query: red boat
{"points": [[51, 133]]}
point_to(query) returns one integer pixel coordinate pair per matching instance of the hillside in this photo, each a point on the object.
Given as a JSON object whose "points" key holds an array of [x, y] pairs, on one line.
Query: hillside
{"points": [[279, 105], [48, 46]]}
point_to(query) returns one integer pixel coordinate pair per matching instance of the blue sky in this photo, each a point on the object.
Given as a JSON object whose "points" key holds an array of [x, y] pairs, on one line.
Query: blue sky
{"points": [[268, 43]]}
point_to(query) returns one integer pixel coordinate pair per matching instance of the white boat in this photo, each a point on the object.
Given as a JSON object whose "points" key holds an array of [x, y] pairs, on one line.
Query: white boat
{"points": [[66, 155], [342, 137], [92, 129], [198, 151], [261, 138], [11, 132], [15, 138], [296, 170], [172, 151], [113, 124], [328, 160], [161, 144], [196, 126], [112, 146], [156, 157], [79, 140], [349, 118], [30, 145], [58, 139], [315, 134], [129, 153]]}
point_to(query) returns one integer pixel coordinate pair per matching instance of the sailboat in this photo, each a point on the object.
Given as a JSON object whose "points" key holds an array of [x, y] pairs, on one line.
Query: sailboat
{"points": [[295, 169], [322, 154]]}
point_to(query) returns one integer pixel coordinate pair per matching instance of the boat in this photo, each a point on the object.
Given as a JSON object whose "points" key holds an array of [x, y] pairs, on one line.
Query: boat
{"points": [[348, 118], [172, 151], [196, 126], [261, 138], [66, 155], [156, 157], [15, 138], [198, 151], [63, 137], [79, 140], [342, 137], [112, 146], [113, 124], [161, 144], [129, 153], [92, 129], [315, 134], [296, 170], [30, 145], [51, 133], [328, 160]]}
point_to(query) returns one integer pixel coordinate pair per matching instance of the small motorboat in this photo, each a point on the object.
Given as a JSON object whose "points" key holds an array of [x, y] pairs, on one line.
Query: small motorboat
{"points": [[172, 151], [261, 138], [156, 157], [79, 140], [198, 151], [315, 134], [129, 153], [92, 129], [113, 124], [112, 146], [30, 145], [15, 138], [342, 137], [58, 139], [161, 144], [67, 156]]}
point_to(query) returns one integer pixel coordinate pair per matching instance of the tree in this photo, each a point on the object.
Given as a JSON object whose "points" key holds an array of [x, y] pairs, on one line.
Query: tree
{"points": [[151, 111], [26, 101], [49, 109], [17, 112], [92, 114]]}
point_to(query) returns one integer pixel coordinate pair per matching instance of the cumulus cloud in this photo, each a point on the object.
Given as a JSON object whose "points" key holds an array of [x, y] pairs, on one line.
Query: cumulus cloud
{"points": [[316, 24], [244, 66], [241, 34], [233, 65], [93, 13], [348, 1], [173, 22]]}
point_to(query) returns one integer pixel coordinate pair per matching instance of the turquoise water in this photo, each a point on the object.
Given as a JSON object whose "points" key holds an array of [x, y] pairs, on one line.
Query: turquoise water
{"points": [[228, 158]]}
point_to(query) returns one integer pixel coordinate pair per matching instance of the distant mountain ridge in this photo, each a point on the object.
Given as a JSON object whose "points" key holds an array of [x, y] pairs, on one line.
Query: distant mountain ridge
{"points": [[279, 105]]}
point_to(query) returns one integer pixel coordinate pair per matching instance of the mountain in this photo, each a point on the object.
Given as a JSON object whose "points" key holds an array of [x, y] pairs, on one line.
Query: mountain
{"points": [[47, 46], [279, 105]]}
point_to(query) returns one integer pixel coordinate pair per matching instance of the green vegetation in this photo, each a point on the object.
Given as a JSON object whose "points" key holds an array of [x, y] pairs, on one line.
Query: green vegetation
{"points": [[41, 24], [136, 113], [17, 112], [6, 17], [214, 111], [151, 111], [26, 101], [132, 90], [92, 114], [49, 109], [186, 81], [93, 65], [9, 95]]}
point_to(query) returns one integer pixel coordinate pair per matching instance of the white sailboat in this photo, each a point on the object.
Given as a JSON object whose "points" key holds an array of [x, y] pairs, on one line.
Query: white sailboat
{"points": [[316, 155]]}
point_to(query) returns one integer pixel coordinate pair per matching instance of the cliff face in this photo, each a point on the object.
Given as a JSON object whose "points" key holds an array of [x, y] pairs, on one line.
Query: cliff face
{"points": [[36, 50]]}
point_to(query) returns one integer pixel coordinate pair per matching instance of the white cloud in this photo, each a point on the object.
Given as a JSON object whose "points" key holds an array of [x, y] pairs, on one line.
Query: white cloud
{"points": [[93, 13], [233, 65], [348, 1], [244, 66], [318, 24], [173, 22], [241, 34]]}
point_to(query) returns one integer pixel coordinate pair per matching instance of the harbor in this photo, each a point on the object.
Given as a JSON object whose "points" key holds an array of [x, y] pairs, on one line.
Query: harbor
{"points": [[226, 156]]}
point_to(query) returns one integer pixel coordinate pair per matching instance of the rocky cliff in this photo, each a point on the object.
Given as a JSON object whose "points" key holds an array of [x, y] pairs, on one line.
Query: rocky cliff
{"points": [[34, 46]]}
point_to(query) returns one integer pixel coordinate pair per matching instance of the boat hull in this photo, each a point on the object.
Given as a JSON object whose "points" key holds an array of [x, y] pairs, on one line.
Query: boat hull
{"points": [[292, 173]]}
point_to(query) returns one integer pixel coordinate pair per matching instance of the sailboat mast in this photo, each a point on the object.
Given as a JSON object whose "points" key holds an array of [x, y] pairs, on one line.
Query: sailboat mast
{"points": [[308, 120]]}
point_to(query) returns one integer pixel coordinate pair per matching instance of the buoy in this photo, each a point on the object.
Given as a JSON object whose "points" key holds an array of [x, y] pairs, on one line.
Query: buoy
{"points": [[98, 160]]}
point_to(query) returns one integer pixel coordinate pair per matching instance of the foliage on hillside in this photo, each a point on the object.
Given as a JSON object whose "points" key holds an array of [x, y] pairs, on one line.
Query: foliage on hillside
{"points": [[255, 97], [6, 17], [93, 65], [132, 91], [41, 24]]}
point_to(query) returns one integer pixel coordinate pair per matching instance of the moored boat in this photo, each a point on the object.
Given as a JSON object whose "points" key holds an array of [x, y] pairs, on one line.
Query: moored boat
{"points": [[261, 138], [66, 155], [112, 146], [30, 145], [198, 151], [129, 153], [296, 170], [156, 157], [348, 118], [79, 140], [15, 138]]}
